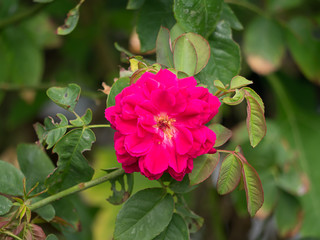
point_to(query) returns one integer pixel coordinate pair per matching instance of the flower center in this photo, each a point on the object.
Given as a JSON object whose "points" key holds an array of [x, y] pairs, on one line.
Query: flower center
{"points": [[165, 124]]}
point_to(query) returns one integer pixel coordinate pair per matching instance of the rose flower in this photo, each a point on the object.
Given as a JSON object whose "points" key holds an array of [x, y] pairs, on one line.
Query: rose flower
{"points": [[159, 123]]}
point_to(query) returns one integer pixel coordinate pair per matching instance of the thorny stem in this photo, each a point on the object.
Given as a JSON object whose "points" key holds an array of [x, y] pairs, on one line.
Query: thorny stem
{"points": [[20, 16], [77, 188]]}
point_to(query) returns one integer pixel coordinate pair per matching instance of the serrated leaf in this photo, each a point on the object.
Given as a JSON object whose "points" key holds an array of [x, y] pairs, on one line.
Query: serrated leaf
{"points": [[35, 165], [223, 134], [181, 186], [71, 21], [73, 167], [34, 232], [264, 45], [176, 230], [199, 16], [5, 205], [202, 48], [238, 82], [65, 97], [228, 15], [116, 88], [54, 131], [185, 56], [203, 166], [229, 175], [152, 15], [134, 4], [225, 60], [145, 215], [256, 123], [10, 179], [253, 188], [236, 99], [219, 85], [163, 48], [84, 120], [252, 93]]}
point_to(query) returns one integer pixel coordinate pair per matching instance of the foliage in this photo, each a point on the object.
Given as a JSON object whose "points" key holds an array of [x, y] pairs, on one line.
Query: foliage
{"points": [[275, 171]]}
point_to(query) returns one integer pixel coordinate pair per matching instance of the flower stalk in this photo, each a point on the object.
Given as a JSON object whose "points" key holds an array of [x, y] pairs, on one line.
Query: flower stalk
{"points": [[77, 188]]}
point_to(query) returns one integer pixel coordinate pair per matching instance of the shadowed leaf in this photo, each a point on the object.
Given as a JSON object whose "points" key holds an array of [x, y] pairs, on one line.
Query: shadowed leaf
{"points": [[223, 134], [116, 88], [163, 49]]}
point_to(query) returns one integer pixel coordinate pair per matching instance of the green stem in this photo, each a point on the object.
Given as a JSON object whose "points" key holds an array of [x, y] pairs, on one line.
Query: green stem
{"points": [[98, 126], [20, 16], [12, 235], [76, 188]]}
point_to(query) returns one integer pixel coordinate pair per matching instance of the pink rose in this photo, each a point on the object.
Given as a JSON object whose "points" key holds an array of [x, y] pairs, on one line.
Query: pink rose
{"points": [[159, 123]]}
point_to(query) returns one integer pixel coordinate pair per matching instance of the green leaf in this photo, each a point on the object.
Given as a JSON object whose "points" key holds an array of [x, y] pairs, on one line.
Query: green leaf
{"points": [[203, 166], [256, 123], [145, 215], [65, 97], [116, 88], [176, 230], [134, 4], [52, 237], [175, 32], [223, 134], [238, 82], [164, 54], [304, 47], [73, 167], [47, 212], [71, 21], [35, 165], [225, 60], [5, 205], [228, 15], [236, 99], [182, 186], [10, 179], [229, 175], [264, 45], [152, 15], [193, 220], [185, 56], [120, 196], [53, 131], [219, 85], [199, 16], [84, 120], [202, 48], [288, 214], [252, 93], [253, 188]]}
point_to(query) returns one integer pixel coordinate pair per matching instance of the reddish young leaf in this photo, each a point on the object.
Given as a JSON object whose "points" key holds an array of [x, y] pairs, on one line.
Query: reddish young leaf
{"points": [[236, 99], [203, 167], [253, 188], [230, 174], [256, 123]]}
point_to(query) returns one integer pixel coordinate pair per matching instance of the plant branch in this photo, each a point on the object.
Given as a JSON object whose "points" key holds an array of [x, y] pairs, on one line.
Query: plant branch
{"points": [[76, 188], [11, 235], [20, 16], [98, 126]]}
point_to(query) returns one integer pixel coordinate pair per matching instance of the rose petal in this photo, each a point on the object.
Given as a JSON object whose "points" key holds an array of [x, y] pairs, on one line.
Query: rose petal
{"points": [[183, 140], [136, 145], [157, 159], [163, 100]]}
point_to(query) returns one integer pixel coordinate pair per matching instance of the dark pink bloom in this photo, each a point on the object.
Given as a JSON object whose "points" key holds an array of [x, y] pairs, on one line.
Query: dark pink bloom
{"points": [[160, 124]]}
